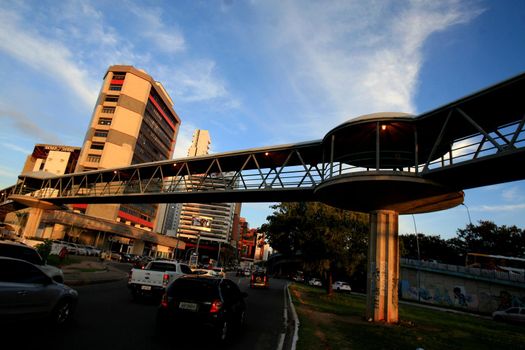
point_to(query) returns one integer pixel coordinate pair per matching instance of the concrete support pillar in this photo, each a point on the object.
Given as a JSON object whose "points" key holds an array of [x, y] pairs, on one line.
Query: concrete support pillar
{"points": [[33, 221], [383, 267]]}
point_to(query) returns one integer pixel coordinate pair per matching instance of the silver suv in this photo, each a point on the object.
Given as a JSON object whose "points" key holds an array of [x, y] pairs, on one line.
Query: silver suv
{"points": [[24, 252], [27, 293]]}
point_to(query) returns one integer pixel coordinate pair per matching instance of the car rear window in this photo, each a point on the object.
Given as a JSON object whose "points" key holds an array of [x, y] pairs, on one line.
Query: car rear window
{"points": [[193, 289], [158, 266], [21, 252]]}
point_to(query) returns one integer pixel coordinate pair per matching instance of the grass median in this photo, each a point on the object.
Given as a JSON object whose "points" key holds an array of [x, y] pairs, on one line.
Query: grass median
{"points": [[337, 322]]}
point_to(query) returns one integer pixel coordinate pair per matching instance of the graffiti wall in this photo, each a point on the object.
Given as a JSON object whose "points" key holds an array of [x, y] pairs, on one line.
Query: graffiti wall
{"points": [[456, 292]]}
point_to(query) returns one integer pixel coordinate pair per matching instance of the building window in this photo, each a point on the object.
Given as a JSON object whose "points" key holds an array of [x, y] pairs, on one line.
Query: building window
{"points": [[115, 87], [97, 145], [93, 158], [111, 98], [119, 76], [104, 121], [101, 133], [108, 110]]}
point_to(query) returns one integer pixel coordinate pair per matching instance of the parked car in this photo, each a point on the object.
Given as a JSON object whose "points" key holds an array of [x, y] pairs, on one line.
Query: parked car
{"points": [[202, 301], [107, 255], [298, 277], [27, 292], [341, 286], [24, 252], [315, 282], [259, 279], [512, 314]]}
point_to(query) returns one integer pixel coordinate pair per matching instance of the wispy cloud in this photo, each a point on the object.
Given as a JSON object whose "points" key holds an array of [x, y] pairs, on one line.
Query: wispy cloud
{"points": [[499, 208], [513, 194], [44, 55], [25, 125], [355, 57], [16, 148], [167, 38]]}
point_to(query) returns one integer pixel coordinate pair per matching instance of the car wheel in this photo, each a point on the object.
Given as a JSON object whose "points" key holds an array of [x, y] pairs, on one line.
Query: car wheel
{"points": [[62, 313], [223, 331]]}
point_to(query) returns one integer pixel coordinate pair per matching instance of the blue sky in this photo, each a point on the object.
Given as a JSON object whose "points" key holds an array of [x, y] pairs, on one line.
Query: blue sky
{"points": [[257, 73]]}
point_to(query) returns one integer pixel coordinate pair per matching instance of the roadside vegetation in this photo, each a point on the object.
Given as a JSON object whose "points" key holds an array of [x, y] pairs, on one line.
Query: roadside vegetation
{"points": [[337, 322], [332, 244]]}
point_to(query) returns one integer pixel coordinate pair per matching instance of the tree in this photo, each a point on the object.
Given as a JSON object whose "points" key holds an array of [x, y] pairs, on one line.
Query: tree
{"points": [[328, 239], [488, 238]]}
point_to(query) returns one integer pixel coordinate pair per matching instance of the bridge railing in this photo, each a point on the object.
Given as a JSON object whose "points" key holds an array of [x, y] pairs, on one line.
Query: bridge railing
{"points": [[506, 138], [470, 271]]}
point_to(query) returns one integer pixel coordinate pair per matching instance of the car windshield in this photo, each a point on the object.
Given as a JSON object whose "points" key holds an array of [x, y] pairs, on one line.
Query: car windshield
{"points": [[193, 289]]}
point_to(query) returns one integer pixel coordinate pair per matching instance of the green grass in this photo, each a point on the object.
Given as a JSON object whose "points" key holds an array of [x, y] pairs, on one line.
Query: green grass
{"points": [[337, 322]]}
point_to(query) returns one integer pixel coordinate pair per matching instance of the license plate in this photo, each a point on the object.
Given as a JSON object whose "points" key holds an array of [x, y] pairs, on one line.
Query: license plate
{"points": [[188, 306], [145, 287]]}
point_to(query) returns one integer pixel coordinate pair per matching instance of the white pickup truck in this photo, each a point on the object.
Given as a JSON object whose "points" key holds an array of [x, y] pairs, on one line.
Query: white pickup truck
{"points": [[155, 277]]}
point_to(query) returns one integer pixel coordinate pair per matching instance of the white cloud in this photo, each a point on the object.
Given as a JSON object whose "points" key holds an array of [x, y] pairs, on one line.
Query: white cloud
{"points": [[166, 38], [499, 208], [513, 194], [45, 56], [197, 81], [16, 148], [352, 57]]}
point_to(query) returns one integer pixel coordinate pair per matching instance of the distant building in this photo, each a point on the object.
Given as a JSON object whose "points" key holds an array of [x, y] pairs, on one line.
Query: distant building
{"points": [[183, 220], [45, 161], [55, 159], [248, 241]]}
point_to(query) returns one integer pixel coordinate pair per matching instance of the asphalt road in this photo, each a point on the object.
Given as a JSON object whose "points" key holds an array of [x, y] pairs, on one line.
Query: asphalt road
{"points": [[107, 318]]}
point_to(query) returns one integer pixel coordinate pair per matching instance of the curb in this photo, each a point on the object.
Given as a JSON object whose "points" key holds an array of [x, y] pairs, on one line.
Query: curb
{"points": [[291, 322]]}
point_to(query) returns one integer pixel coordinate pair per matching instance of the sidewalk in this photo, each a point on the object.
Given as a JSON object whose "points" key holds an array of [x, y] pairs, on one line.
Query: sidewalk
{"points": [[90, 272]]}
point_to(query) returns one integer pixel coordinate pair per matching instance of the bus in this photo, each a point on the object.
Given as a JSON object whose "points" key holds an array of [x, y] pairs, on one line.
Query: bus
{"points": [[510, 264]]}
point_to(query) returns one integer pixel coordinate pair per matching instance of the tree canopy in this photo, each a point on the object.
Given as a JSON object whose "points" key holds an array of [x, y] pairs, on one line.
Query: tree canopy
{"points": [[485, 237], [328, 239]]}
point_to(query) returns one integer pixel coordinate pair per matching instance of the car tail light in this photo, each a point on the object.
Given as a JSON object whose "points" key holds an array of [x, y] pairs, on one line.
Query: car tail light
{"points": [[164, 301], [216, 305], [253, 277], [165, 279]]}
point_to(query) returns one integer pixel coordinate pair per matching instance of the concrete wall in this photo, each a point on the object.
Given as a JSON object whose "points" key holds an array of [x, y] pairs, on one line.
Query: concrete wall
{"points": [[461, 292]]}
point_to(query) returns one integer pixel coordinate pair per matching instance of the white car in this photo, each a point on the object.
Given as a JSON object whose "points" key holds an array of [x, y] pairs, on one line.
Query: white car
{"points": [[341, 286], [512, 314], [315, 282]]}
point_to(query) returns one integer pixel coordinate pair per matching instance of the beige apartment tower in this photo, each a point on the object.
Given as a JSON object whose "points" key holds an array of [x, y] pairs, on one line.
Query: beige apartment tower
{"points": [[133, 122]]}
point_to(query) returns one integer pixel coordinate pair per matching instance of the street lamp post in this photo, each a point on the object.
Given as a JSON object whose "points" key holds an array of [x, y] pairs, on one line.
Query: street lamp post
{"points": [[418, 262]]}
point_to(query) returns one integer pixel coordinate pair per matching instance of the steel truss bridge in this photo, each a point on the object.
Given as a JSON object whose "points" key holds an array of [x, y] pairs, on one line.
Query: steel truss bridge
{"points": [[476, 141], [385, 164]]}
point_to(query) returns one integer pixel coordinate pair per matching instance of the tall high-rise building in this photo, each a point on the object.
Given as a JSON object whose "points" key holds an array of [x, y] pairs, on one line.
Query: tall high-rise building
{"points": [[180, 219], [133, 122]]}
